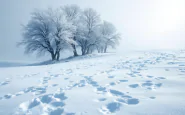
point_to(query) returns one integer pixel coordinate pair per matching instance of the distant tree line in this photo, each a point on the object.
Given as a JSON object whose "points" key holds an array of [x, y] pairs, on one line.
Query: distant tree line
{"points": [[68, 27]]}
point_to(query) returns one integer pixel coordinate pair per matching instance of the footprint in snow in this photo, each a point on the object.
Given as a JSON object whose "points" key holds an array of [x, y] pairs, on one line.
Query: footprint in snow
{"points": [[131, 74], [36, 90], [119, 94], [57, 111], [101, 89], [91, 82], [45, 80], [53, 103], [132, 101], [102, 99], [54, 85], [112, 83], [111, 108], [181, 65], [4, 83], [123, 80], [160, 78], [158, 84], [66, 78], [149, 85], [8, 96], [149, 76], [152, 97], [133, 85], [110, 76], [70, 113]]}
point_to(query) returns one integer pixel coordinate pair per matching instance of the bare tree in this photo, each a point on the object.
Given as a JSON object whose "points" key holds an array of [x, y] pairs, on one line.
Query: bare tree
{"points": [[47, 32], [109, 36], [37, 35], [63, 31], [72, 13], [90, 20]]}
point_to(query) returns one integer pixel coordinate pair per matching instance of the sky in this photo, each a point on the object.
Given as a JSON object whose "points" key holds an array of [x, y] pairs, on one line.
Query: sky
{"points": [[143, 24]]}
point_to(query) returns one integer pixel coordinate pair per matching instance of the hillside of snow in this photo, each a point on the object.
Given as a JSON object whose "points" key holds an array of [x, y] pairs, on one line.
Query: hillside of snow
{"points": [[140, 83]]}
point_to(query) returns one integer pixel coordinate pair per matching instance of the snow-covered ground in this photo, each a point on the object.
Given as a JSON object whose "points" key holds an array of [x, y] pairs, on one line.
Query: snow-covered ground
{"points": [[141, 83]]}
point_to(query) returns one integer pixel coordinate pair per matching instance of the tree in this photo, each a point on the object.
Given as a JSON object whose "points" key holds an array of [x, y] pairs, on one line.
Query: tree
{"points": [[51, 31], [72, 13], [37, 35], [46, 32], [89, 22], [63, 31], [109, 36]]}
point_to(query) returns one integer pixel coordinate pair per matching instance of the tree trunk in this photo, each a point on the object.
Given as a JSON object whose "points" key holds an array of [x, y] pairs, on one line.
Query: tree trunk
{"points": [[58, 55], [101, 49], [83, 50], [52, 56], [74, 50], [98, 49], [88, 51], [105, 49]]}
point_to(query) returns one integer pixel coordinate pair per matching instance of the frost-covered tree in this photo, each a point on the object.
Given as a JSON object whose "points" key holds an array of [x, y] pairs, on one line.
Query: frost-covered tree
{"points": [[72, 13], [87, 38], [47, 32], [37, 35], [109, 36], [62, 32], [52, 31]]}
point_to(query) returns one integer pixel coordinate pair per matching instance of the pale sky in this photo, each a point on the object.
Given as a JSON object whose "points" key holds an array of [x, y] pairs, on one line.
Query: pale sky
{"points": [[144, 24]]}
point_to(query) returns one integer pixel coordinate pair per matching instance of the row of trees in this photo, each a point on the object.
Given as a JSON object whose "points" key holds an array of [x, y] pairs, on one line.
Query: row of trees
{"points": [[68, 27]]}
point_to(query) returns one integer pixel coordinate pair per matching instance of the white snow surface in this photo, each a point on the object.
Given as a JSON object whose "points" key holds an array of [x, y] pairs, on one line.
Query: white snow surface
{"points": [[140, 83]]}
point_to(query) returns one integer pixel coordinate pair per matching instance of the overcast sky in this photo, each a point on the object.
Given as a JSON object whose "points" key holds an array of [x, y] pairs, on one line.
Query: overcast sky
{"points": [[144, 24]]}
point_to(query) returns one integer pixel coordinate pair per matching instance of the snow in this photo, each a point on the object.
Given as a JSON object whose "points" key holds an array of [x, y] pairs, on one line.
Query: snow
{"points": [[139, 83]]}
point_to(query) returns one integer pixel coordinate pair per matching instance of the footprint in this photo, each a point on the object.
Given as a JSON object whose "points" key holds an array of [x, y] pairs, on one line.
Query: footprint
{"points": [[159, 78], [131, 75], [147, 84], [152, 97], [39, 90], [121, 100], [113, 107], [132, 101], [91, 82], [123, 80], [116, 93], [60, 96], [54, 85], [112, 83], [66, 78], [52, 102], [134, 85], [70, 113], [102, 99], [167, 69], [4, 83], [103, 89], [46, 98], [34, 102], [8, 96], [58, 111], [19, 93], [110, 76], [149, 76], [158, 84], [58, 104]]}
